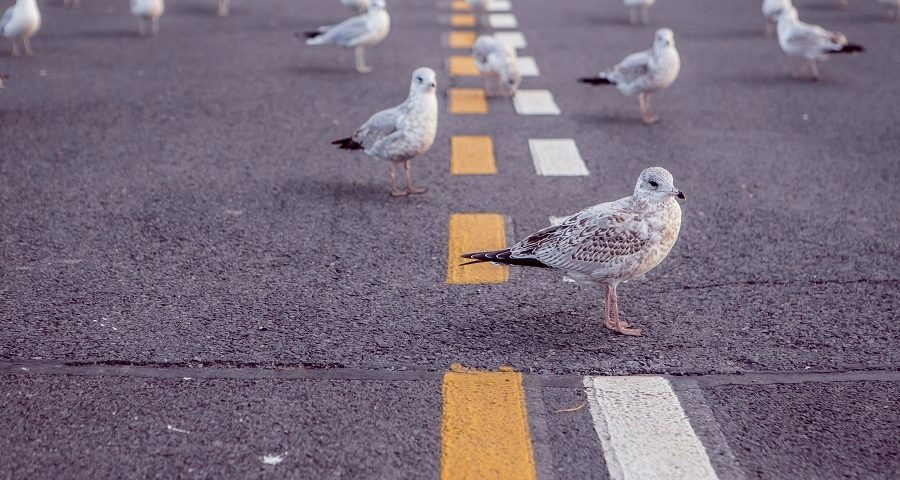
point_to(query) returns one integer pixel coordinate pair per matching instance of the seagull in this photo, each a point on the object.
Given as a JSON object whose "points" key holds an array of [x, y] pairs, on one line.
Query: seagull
{"points": [[224, 8], [359, 32], [20, 22], [893, 8], [606, 244], [771, 10], [811, 42], [359, 5], [639, 7], [399, 134], [496, 60], [644, 72], [148, 11]]}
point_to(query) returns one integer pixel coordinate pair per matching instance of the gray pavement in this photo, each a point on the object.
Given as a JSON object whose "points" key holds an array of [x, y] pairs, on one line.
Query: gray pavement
{"points": [[175, 201]]}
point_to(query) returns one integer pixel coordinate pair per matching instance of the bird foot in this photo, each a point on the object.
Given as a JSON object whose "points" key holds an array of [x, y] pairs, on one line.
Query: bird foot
{"points": [[399, 193], [363, 69], [624, 329], [650, 119], [415, 190]]}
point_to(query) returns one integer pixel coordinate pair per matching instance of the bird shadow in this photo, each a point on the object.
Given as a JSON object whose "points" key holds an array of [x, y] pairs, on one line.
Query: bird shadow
{"points": [[736, 34], [322, 70], [776, 78], [335, 187], [196, 9], [617, 21], [608, 118], [111, 34]]}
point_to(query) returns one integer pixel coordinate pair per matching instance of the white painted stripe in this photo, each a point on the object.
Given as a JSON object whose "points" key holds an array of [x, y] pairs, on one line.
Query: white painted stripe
{"points": [[556, 221], [502, 20], [512, 39], [556, 157], [644, 432], [528, 67], [535, 102], [499, 6]]}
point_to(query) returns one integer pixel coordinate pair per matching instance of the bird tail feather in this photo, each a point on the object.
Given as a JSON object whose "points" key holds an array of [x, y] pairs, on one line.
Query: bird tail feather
{"points": [[596, 81], [502, 256], [850, 48], [348, 144]]}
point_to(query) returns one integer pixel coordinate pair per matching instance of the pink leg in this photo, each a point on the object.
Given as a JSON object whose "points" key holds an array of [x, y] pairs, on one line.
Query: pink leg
{"points": [[395, 192], [619, 325]]}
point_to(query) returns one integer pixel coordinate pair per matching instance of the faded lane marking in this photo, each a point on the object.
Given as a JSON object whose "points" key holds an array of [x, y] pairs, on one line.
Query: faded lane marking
{"points": [[460, 39], [460, 5], [556, 157], [499, 6], [644, 431], [467, 101], [502, 20], [535, 102], [472, 155], [512, 39], [484, 427], [462, 66], [528, 67], [475, 232], [462, 20]]}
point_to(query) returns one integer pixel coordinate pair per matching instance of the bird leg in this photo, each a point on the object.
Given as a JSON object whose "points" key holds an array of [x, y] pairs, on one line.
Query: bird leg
{"points": [[410, 189], [619, 325], [395, 192], [814, 69], [361, 66], [646, 116], [608, 323], [141, 30], [632, 16], [645, 15], [154, 26], [223, 8], [27, 43], [15, 48], [770, 28]]}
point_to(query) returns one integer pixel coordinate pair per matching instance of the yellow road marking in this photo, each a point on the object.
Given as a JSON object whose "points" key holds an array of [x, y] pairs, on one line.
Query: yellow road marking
{"points": [[460, 5], [472, 155], [467, 101], [475, 232], [462, 66], [484, 427], [461, 39], [462, 20]]}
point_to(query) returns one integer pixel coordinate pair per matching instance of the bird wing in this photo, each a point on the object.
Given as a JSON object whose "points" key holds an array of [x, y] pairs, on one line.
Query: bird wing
{"points": [[378, 126], [631, 68], [592, 239], [345, 32], [7, 16], [813, 37]]}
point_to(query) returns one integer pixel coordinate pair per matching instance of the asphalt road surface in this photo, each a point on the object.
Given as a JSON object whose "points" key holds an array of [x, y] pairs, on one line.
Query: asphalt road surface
{"points": [[194, 283]]}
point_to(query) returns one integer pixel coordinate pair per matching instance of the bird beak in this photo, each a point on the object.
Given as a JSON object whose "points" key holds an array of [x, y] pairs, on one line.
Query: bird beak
{"points": [[679, 194]]}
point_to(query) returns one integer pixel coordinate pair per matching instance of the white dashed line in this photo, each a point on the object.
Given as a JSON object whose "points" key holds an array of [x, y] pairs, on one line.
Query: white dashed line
{"points": [[499, 6], [528, 67], [512, 39], [644, 431], [502, 20], [556, 157], [535, 102]]}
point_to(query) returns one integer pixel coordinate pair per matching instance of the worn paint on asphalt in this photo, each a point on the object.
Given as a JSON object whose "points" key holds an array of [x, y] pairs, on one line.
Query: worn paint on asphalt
{"points": [[475, 232], [472, 155], [557, 157]]}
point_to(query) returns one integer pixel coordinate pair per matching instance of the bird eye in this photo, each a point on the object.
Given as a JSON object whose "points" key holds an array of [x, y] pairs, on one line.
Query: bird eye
{"points": [[419, 79], [653, 183]]}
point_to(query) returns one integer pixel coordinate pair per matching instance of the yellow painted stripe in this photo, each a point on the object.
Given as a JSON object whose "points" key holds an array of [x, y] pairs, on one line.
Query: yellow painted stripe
{"points": [[460, 5], [467, 101], [461, 39], [462, 66], [484, 427], [472, 155], [475, 232], [462, 20]]}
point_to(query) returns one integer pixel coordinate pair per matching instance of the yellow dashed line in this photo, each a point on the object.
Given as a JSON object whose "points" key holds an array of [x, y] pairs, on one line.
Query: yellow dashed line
{"points": [[462, 20], [475, 232], [460, 39], [462, 66], [472, 155], [467, 101], [484, 427], [460, 5]]}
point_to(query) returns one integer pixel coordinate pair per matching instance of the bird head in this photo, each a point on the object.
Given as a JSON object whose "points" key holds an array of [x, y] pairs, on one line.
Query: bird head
{"points": [[424, 80], [656, 185], [377, 5], [664, 38]]}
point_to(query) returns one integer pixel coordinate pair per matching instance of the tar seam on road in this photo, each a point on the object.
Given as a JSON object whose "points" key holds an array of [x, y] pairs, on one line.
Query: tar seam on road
{"points": [[462, 66], [475, 232], [467, 101], [644, 431], [484, 427], [535, 102], [556, 157], [472, 155]]}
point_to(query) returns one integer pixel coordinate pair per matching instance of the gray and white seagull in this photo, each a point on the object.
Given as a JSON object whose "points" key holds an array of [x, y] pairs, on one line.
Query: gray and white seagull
{"points": [[812, 42], [606, 244], [399, 134], [357, 32]]}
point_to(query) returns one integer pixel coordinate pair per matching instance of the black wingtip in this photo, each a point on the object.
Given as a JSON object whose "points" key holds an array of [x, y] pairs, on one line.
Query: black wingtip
{"points": [[851, 48], [308, 34], [595, 81], [502, 256], [348, 144]]}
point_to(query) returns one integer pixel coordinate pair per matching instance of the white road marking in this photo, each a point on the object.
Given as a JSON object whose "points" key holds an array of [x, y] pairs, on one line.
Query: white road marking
{"points": [[643, 430], [556, 221], [272, 459], [502, 20], [556, 157], [535, 102], [499, 6], [528, 67], [512, 39]]}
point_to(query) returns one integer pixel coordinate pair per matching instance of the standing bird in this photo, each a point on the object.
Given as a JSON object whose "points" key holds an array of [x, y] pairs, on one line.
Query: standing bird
{"points": [[644, 72], [399, 134], [497, 61], [20, 22], [893, 8], [639, 10], [358, 32], [359, 5], [148, 11], [771, 10], [609, 243], [224, 8], [811, 42]]}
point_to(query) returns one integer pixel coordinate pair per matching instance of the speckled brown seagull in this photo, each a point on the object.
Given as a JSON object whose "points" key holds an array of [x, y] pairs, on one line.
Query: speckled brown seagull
{"points": [[609, 243]]}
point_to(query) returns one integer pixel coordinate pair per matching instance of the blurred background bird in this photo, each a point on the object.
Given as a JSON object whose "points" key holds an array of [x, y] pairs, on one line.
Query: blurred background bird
{"points": [[19, 22], [356, 32]]}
